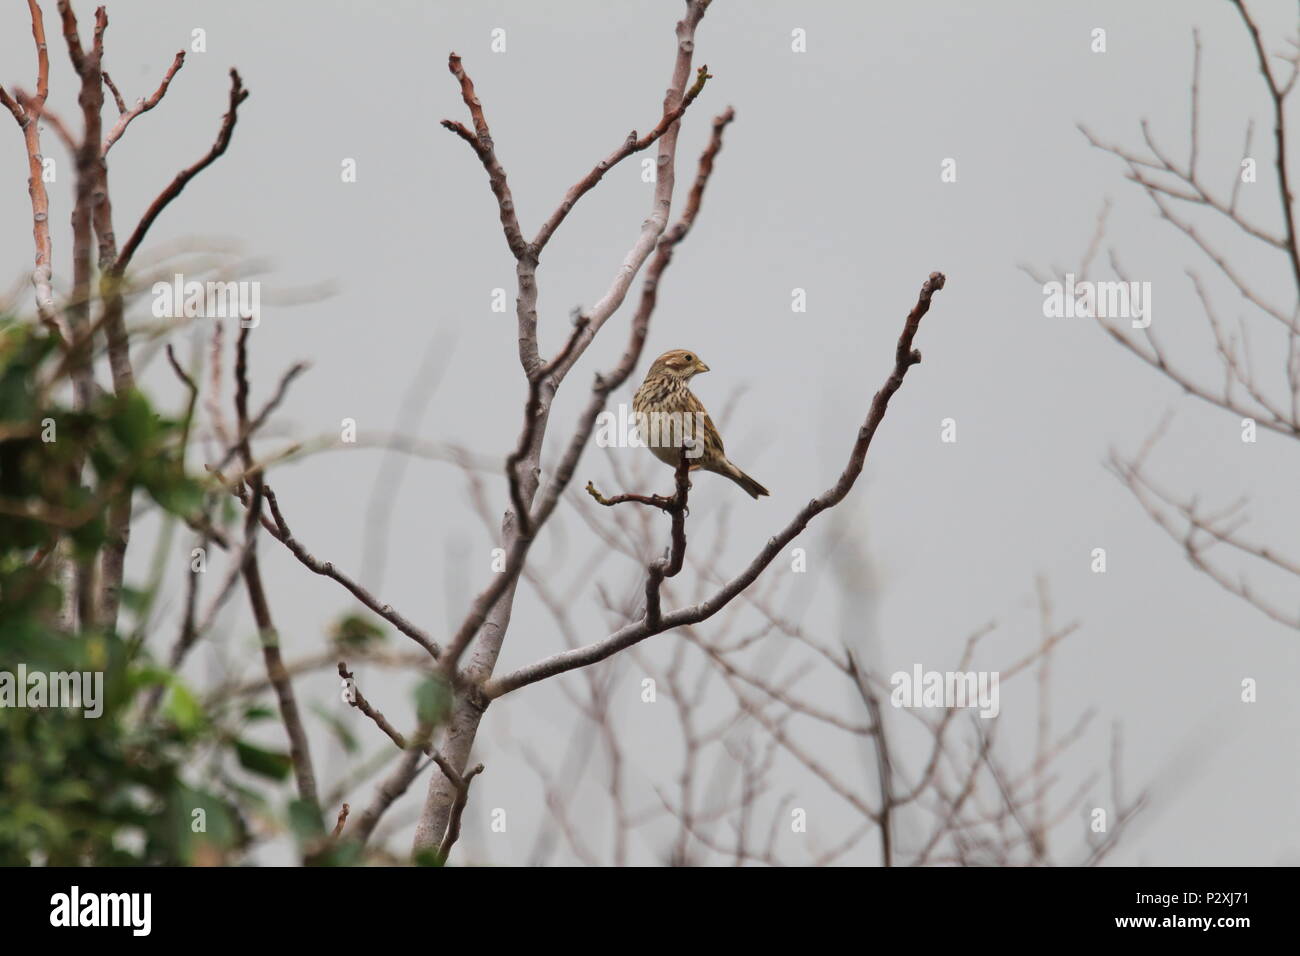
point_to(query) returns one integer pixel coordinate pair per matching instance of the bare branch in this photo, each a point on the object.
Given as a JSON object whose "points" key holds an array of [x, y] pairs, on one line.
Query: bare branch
{"points": [[1277, 95], [173, 189], [299, 752], [905, 358], [481, 142], [629, 146], [141, 105], [342, 819], [358, 700], [279, 529], [27, 121], [532, 420], [603, 386]]}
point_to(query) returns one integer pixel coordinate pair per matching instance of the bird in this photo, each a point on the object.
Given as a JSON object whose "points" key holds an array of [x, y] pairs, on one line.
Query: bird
{"points": [[664, 400]]}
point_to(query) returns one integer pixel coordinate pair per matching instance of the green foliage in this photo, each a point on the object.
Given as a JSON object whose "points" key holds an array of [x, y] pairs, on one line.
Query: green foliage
{"points": [[428, 856], [264, 763], [356, 632], [162, 775], [111, 789], [433, 700], [43, 445]]}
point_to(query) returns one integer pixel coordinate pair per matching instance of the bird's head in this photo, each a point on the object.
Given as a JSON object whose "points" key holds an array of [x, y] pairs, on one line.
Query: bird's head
{"points": [[679, 363]]}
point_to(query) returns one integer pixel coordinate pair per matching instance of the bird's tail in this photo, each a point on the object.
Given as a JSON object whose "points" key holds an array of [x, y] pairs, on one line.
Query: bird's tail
{"points": [[746, 482]]}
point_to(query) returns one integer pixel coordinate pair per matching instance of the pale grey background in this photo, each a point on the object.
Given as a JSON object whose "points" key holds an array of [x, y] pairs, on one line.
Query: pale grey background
{"points": [[829, 181]]}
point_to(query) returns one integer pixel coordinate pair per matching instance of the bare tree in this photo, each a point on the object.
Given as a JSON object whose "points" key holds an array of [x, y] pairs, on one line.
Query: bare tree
{"points": [[485, 626], [758, 736], [960, 803], [1255, 360]]}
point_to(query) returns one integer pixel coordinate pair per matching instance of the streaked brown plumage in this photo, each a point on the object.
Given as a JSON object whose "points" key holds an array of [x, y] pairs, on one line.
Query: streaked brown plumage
{"points": [[665, 396]]}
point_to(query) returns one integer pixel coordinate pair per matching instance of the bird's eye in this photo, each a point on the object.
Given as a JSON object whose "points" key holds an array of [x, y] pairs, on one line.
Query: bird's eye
{"points": [[690, 358]]}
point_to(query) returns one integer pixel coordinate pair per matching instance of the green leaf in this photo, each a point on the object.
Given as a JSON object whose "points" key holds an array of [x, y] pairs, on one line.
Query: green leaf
{"points": [[147, 675], [428, 856], [432, 700], [134, 599], [133, 423], [305, 821], [183, 709], [265, 763], [344, 853], [356, 630], [179, 494]]}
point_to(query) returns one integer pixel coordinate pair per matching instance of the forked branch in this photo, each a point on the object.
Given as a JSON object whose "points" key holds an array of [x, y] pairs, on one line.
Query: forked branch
{"points": [[904, 358]]}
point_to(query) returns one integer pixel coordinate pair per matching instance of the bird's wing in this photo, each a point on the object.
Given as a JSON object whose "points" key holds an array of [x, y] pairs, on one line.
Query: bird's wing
{"points": [[712, 440]]}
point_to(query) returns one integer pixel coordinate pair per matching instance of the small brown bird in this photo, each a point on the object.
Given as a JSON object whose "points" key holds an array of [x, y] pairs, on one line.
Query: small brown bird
{"points": [[669, 415]]}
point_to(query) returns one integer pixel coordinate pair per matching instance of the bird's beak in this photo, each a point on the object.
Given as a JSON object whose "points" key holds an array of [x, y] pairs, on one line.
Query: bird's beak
{"points": [[700, 367]]}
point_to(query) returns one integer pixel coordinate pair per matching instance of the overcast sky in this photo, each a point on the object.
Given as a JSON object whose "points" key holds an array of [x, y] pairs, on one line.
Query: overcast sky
{"points": [[830, 182]]}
